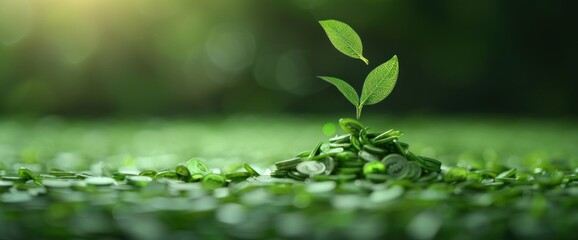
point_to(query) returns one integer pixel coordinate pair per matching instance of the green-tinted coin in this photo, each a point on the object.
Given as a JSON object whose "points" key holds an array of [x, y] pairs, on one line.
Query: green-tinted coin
{"points": [[183, 173], [315, 151], [455, 175], [297, 175], [27, 174], [311, 167], [238, 176], [403, 144], [280, 174], [340, 145], [357, 146], [487, 174], [373, 149], [118, 176], [167, 174], [506, 180], [396, 133], [508, 174], [414, 171], [476, 177], [372, 135], [353, 164], [288, 164], [148, 173], [350, 126], [412, 157], [429, 177], [60, 173], [121, 175], [99, 181], [385, 141], [29, 185], [345, 156], [368, 156], [430, 164], [400, 149], [195, 165], [68, 178], [213, 181], [373, 167], [196, 177], [383, 135], [269, 179], [303, 154], [82, 175], [340, 138], [393, 158], [329, 165], [363, 136], [550, 179], [46, 176], [251, 170], [324, 147], [79, 185], [321, 156], [377, 177], [54, 183], [13, 179], [334, 151], [397, 166], [525, 176], [492, 185], [139, 181], [344, 170]]}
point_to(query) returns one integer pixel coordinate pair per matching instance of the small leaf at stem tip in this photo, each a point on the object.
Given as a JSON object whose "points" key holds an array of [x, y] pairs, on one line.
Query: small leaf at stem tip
{"points": [[344, 39], [380, 82], [347, 90]]}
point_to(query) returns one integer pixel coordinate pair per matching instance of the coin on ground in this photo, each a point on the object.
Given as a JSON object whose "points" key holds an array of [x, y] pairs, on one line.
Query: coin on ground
{"points": [[311, 167]]}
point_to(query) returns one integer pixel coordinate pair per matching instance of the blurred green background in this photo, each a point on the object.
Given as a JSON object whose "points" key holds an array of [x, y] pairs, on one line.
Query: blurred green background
{"points": [[177, 57], [100, 86]]}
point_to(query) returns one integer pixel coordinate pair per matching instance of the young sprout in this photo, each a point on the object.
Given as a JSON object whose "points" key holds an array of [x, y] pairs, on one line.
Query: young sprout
{"points": [[379, 82]]}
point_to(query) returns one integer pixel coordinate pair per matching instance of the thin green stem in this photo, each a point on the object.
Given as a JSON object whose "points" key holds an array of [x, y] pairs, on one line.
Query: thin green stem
{"points": [[364, 59], [358, 112]]}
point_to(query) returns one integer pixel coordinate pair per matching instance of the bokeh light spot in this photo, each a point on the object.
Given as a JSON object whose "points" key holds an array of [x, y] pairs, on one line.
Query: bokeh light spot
{"points": [[329, 129], [231, 47], [292, 72]]}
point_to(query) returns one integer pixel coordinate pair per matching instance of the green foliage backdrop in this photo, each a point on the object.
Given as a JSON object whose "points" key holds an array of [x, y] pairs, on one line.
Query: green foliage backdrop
{"points": [[188, 57]]}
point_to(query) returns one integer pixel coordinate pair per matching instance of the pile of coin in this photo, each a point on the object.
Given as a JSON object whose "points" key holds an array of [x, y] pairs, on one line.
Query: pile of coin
{"points": [[358, 154]]}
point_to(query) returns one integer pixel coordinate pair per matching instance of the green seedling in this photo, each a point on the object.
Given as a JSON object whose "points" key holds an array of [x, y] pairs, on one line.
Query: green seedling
{"points": [[379, 82]]}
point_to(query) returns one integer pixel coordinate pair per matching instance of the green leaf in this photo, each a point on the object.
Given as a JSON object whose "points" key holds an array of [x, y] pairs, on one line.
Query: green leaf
{"points": [[347, 90], [344, 38], [380, 82]]}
